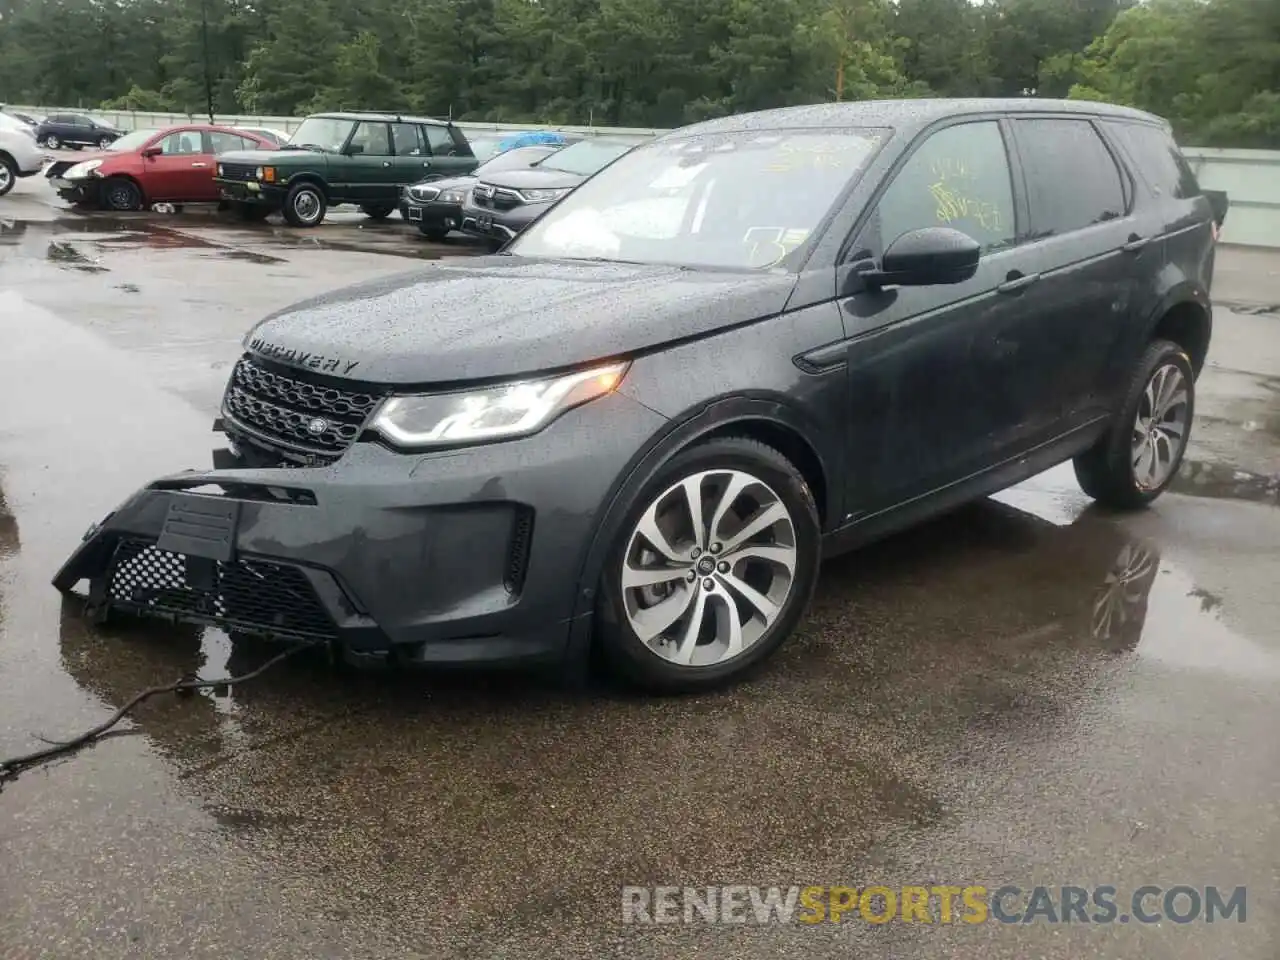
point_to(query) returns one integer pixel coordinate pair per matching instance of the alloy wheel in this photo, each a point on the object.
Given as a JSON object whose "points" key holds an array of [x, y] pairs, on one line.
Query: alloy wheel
{"points": [[6, 178], [1160, 427], [51, 142], [709, 567], [1120, 600]]}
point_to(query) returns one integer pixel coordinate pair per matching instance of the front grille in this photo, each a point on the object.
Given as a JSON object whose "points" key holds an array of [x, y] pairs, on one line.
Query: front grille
{"points": [[246, 595], [494, 198], [312, 422], [236, 171]]}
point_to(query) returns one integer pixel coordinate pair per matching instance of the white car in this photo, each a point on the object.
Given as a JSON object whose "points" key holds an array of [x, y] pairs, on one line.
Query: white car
{"points": [[20, 155]]}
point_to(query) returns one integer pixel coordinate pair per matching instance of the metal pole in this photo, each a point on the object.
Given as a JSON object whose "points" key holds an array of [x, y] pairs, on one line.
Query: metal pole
{"points": [[208, 74]]}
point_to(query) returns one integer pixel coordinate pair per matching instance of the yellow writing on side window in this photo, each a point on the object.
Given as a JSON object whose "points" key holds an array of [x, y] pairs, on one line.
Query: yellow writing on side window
{"points": [[952, 190]]}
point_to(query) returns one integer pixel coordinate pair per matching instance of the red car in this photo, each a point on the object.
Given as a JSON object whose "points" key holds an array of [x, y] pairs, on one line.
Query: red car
{"points": [[174, 165]]}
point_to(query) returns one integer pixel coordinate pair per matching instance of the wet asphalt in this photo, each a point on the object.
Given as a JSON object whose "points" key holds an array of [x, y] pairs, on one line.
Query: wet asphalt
{"points": [[1028, 691]]}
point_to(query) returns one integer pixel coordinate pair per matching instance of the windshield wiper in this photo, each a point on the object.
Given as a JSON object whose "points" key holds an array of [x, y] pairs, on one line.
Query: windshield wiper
{"points": [[305, 146]]}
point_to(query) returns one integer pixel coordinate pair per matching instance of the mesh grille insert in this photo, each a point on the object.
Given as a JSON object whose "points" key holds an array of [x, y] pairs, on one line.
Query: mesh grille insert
{"points": [[246, 595]]}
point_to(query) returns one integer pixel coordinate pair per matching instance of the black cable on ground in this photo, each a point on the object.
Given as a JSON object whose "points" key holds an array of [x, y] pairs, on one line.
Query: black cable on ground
{"points": [[9, 769]]}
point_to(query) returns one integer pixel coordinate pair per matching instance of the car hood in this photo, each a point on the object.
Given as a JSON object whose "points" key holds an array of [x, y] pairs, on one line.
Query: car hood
{"points": [[258, 157], [507, 316], [447, 183], [539, 178]]}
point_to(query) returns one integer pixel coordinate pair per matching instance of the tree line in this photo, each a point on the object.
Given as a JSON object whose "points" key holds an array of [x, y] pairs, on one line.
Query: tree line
{"points": [[1210, 66]]}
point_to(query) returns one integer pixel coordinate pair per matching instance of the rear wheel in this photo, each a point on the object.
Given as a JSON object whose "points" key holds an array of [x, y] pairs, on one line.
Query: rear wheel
{"points": [[121, 193], [8, 174], [1141, 452], [305, 205], [712, 570], [104, 143], [378, 211]]}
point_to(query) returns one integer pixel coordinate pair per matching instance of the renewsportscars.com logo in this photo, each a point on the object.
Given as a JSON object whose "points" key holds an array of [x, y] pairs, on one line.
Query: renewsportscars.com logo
{"points": [[971, 904]]}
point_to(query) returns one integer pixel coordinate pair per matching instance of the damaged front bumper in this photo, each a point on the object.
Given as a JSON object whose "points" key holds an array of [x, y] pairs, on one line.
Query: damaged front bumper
{"points": [[465, 556]]}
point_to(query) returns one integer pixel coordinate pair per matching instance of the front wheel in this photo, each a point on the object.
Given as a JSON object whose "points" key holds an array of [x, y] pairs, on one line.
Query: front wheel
{"points": [[712, 570], [305, 205], [1139, 455], [8, 175], [52, 142], [104, 143], [121, 193], [378, 211]]}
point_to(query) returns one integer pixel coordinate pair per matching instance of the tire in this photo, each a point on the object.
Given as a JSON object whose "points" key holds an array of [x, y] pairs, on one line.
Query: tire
{"points": [[104, 143], [378, 211], [8, 174], [771, 481], [305, 206], [121, 194], [251, 212], [52, 142], [433, 232], [1114, 470]]}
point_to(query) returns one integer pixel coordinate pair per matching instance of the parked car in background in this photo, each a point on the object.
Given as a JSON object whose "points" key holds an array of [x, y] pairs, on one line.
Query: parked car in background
{"points": [[484, 148], [502, 204], [436, 205], [278, 137], [366, 159], [170, 165], [20, 155], [75, 130]]}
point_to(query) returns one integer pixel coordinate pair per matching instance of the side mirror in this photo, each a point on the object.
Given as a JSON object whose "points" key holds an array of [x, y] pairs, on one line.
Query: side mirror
{"points": [[355, 149], [924, 257], [152, 152]]}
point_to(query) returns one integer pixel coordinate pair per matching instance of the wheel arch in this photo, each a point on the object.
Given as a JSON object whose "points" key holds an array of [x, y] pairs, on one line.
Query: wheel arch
{"points": [[1185, 318], [768, 421], [310, 176]]}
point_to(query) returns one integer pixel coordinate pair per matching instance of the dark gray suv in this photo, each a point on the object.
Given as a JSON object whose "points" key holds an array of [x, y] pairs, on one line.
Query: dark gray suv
{"points": [[741, 347]]}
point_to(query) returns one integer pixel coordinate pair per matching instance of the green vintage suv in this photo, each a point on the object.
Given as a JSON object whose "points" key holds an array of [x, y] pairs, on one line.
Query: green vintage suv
{"points": [[332, 158]]}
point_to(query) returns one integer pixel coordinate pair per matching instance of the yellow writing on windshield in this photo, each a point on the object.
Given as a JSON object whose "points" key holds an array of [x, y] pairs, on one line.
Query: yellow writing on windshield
{"points": [[767, 246], [819, 155]]}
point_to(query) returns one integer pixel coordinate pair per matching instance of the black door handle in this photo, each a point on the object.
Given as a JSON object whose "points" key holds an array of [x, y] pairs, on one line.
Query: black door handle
{"points": [[1135, 243], [1016, 284]]}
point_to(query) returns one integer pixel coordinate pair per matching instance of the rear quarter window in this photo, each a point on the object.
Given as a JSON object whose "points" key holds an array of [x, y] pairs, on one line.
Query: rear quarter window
{"points": [[1158, 159]]}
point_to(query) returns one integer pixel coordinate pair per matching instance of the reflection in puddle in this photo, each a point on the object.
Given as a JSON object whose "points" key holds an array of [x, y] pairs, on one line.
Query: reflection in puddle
{"points": [[1222, 481], [64, 254]]}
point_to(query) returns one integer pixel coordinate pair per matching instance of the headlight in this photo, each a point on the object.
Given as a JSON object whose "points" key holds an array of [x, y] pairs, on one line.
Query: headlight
{"points": [[259, 173], [453, 196], [496, 413], [424, 193], [220, 170], [82, 170], [540, 196]]}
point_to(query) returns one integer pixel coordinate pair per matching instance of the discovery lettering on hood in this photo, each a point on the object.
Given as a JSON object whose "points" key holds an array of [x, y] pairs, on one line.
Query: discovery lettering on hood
{"points": [[302, 358]]}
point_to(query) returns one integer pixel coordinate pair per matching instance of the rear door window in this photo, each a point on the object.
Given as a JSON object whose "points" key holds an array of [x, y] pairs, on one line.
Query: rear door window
{"points": [[1072, 179], [407, 140], [958, 178], [226, 142], [372, 138], [1158, 159]]}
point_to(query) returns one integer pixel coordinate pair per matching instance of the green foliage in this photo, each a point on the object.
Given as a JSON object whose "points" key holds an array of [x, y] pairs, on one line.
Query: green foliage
{"points": [[1211, 66]]}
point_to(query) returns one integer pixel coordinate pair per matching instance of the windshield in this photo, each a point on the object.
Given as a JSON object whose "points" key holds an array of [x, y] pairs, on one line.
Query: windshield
{"points": [[585, 157], [483, 149], [323, 133], [133, 141], [738, 200], [514, 159]]}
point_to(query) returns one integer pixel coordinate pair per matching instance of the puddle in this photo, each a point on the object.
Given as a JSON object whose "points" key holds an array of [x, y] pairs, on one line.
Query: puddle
{"points": [[1254, 309], [1225, 482], [8, 530]]}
